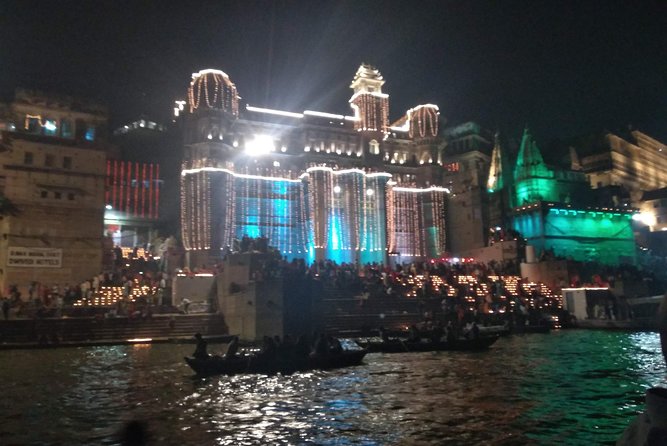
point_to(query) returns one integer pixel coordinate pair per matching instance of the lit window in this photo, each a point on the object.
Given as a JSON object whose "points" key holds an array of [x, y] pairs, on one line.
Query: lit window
{"points": [[90, 134], [374, 147], [66, 128], [32, 124], [50, 127]]}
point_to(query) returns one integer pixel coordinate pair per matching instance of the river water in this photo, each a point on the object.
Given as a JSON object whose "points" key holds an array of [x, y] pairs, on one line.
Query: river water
{"points": [[571, 387]]}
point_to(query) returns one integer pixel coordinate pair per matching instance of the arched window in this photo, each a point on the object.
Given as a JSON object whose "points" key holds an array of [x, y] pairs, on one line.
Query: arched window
{"points": [[374, 147]]}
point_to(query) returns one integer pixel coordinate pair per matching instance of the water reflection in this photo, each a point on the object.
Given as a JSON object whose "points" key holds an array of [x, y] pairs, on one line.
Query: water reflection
{"points": [[570, 387]]}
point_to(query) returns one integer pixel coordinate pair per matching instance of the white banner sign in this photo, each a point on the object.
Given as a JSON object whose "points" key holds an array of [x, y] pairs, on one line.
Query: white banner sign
{"points": [[35, 257]]}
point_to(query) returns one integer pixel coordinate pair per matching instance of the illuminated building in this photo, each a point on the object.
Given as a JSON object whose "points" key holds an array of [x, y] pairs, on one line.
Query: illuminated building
{"points": [[580, 233], [132, 201], [52, 168], [135, 186], [635, 161], [317, 185], [535, 181], [554, 211]]}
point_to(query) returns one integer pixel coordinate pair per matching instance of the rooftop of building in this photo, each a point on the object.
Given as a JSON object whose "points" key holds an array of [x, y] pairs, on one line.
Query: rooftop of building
{"points": [[58, 102], [655, 194]]}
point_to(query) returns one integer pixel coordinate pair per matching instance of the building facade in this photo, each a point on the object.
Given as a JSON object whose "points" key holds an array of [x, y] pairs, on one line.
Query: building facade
{"points": [[143, 155], [634, 161], [52, 170], [317, 185], [553, 210]]}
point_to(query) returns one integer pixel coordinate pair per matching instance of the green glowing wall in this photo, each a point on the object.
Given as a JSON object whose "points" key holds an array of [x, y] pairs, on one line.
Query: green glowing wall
{"points": [[536, 189], [606, 237]]}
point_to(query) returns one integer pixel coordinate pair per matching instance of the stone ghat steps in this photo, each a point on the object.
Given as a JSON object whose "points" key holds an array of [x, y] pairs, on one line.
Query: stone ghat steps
{"points": [[360, 323], [395, 314], [82, 330]]}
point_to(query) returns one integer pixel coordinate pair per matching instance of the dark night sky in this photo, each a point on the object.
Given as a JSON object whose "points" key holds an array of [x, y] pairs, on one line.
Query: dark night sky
{"points": [[562, 67]]}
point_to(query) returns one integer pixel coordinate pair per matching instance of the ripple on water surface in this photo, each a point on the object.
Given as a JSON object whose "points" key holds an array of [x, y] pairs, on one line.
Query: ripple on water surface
{"points": [[569, 387]]}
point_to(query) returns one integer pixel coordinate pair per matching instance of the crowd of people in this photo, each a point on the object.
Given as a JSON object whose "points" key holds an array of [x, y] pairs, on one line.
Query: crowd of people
{"points": [[460, 286], [44, 300]]}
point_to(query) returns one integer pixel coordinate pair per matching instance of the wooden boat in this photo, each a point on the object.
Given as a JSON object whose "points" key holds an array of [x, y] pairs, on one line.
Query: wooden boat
{"points": [[398, 345], [256, 363]]}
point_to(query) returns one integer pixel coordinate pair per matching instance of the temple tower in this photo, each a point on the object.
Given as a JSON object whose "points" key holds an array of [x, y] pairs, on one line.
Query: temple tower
{"points": [[533, 180], [206, 215], [498, 185], [371, 108]]}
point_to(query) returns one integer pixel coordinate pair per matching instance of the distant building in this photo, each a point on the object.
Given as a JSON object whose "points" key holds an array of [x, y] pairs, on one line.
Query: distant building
{"points": [[635, 162], [52, 169]]}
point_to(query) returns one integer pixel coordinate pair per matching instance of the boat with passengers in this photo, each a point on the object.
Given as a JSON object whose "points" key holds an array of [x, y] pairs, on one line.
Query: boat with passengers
{"points": [[401, 345], [343, 353]]}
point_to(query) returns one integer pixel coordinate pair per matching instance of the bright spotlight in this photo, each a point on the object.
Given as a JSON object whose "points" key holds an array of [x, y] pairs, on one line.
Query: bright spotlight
{"points": [[259, 145], [336, 189], [369, 192], [648, 218]]}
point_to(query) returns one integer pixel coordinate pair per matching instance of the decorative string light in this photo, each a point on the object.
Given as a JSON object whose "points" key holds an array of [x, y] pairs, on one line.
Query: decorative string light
{"points": [[223, 96], [156, 212], [407, 217]]}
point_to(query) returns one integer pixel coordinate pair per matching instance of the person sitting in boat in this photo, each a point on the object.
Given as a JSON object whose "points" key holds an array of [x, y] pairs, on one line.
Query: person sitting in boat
{"points": [[302, 348], [472, 331], [200, 349], [321, 346], [232, 348], [335, 346], [437, 332], [269, 348], [383, 334], [414, 335], [287, 347], [450, 332]]}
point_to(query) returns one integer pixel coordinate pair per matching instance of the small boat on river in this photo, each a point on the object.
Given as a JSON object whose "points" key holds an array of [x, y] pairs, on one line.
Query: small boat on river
{"points": [[399, 345], [257, 363]]}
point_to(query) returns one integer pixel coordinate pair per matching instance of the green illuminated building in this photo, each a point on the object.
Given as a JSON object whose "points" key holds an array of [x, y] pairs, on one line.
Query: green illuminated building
{"points": [[594, 234], [535, 181], [551, 208]]}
